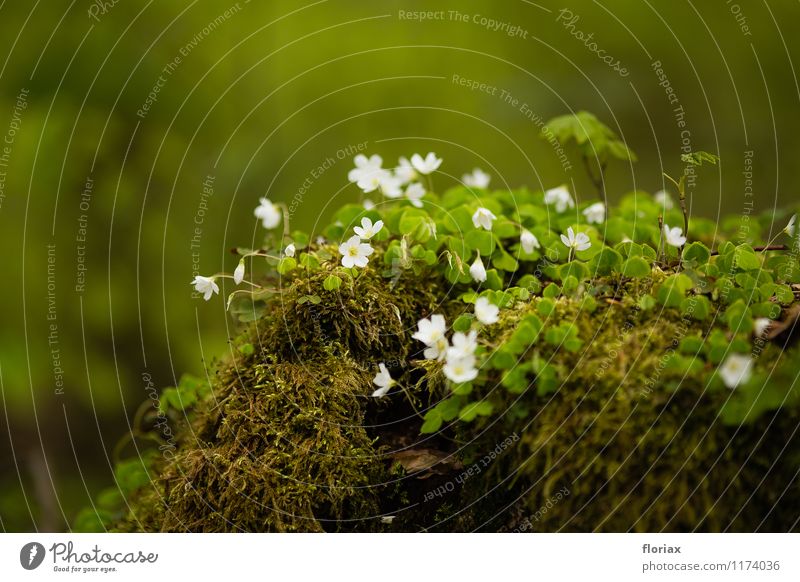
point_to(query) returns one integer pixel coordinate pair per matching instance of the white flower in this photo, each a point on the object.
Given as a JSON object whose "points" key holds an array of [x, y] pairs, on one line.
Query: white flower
{"points": [[791, 226], [268, 213], [483, 218], [674, 236], [364, 167], [663, 199], [391, 186], [460, 370], [383, 380], [596, 213], [528, 241], [736, 370], [429, 331], [414, 193], [206, 286], [238, 273], [560, 197], [320, 240], [464, 345], [477, 179], [437, 350], [380, 179], [367, 230], [368, 204], [405, 171], [290, 250], [761, 325], [486, 311], [578, 242], [477, 270], [426, 165], [354, 252]]}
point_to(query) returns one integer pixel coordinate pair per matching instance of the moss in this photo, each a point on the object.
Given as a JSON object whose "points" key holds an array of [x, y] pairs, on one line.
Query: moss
{"points": [[628, 436]]}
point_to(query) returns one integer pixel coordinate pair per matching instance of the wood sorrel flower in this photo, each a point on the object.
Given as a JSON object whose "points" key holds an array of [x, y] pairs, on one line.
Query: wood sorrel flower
{"points": [[414, 193], [365, 166], [205, 285], [485, 311], [367, 229], [477, 270], [477, 179], [483, 218], [736, 370], [576, 242], [560, 198], [426, 165], [528, 241], [354, 252], [383, 380], [460, 370], [674, 236], [596, 213], [238, 273], [268, 213], [464, 345]]}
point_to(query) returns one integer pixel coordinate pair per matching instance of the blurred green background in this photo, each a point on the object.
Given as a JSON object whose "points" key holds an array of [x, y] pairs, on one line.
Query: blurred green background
{"points": [[252, 97]]}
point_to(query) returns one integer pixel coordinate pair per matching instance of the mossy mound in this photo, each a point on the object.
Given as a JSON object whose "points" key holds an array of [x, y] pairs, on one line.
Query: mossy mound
{"points": [[289, 438]]}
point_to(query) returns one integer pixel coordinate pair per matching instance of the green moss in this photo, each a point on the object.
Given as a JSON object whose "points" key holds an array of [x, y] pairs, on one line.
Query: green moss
{"points": [[599, 405]]}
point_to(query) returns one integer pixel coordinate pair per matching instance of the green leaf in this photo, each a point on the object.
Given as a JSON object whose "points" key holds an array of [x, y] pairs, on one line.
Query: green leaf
{"points": [[463, 322], [474, 409], [745, 258], [605, 262], [433, 422], [286, 265], [696, 254], [635, 267], [331, 283], [480, 240]]}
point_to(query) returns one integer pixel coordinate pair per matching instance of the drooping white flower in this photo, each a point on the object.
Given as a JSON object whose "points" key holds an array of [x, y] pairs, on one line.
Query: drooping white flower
{"points": [[414, 193], [368, 204], [205, 285], [736, 370], [238, 272], [477, 179], [674, 236], [268, 213], [761, 325], [426, 165], [790, 228], [596, 213], [364, 167], [463, 345], [460, 370], [663, 199], [367, 229], [405, 171], [290, 250], [383, 380], [528, 241], [477, 270], [430, 330], [560, 198], [483, 218], [577, 242], [485, 311], [354, 252]]}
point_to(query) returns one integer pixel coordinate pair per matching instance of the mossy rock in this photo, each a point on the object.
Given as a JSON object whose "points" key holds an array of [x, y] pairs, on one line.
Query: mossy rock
{"points": [[600, 404]]}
